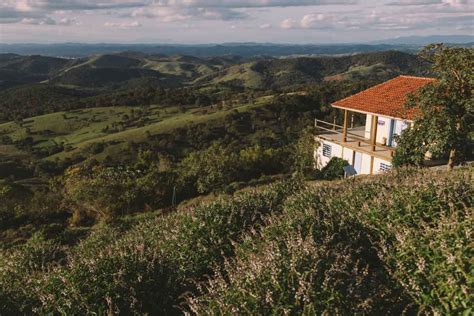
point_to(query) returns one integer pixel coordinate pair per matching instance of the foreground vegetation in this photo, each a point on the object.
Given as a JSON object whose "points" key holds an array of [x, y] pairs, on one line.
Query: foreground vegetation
{"points": [[387, 244]]}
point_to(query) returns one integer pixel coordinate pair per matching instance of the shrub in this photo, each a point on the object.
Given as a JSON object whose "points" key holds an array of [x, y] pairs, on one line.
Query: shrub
{"points": [[149, 268], [107, 192], [388, 245], [334, 169]]}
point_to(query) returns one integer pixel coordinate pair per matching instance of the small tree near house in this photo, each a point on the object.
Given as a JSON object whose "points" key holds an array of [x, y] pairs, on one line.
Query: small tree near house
{"points": [[446, 106]]}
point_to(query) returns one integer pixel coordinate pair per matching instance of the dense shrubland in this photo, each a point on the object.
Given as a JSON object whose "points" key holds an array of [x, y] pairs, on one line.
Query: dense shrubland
{"points": [[391, 244], [145, 269], [387, 244]]}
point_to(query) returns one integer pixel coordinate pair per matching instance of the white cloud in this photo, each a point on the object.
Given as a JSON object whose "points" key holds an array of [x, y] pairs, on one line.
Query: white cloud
{"points": [[249, 3], [287, 24], [41, 21], [123, 25], [311, 21], [430, 2], [68, 22], [265, 26]]}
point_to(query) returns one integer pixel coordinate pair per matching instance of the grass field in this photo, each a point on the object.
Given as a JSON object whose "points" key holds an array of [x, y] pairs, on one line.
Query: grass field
{"points": [[116, 126]]}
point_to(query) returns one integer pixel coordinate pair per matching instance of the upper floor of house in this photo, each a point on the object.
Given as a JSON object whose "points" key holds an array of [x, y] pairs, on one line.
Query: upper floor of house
{"points": [[386, 116]]}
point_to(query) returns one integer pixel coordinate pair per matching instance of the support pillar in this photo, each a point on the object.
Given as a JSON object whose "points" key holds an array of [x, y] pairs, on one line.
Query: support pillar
{"points": [[373, 131], [371, 164], [344, 131]]}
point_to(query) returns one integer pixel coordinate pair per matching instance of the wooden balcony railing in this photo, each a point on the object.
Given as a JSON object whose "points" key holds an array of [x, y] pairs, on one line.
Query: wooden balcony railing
{"points": [[336, 133]]}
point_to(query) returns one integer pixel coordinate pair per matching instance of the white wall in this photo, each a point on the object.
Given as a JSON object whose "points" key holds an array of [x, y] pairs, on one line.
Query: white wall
{"points": [[336, 151], [347, 154], [377, 163], [368, 126], [383, 128], [365, 164]]}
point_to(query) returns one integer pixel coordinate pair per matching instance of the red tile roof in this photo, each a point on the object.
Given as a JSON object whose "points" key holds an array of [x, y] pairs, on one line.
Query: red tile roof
{"points": [[385, 99]]}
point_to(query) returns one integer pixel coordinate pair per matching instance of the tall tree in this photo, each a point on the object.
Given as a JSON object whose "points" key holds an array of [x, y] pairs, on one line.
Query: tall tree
{"points": [[444, 124]]}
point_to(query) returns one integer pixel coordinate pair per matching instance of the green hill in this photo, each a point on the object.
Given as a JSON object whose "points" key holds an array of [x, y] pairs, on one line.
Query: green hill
{"points": [[390, 244], [42, 65], [16, 70], [137, 78], [102, 77], [291, 72]]}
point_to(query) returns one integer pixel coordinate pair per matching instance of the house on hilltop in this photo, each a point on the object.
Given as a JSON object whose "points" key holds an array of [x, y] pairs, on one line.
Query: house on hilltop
{"points": [[370, 148]]}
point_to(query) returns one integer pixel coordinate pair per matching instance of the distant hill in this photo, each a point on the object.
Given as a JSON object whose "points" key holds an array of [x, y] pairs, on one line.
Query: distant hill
{"points": [[17, 69], [202, 51], [34, 85], [281, 73], [424, 40], [101, 77]]}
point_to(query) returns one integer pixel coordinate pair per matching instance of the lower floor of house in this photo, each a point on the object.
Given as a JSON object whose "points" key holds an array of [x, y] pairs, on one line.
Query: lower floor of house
{"points": [[363, 162]]}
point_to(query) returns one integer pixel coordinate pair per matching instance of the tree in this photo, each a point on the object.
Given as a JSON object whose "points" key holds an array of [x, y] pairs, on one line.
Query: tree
{"points": [[446, 107], [303, 152], [210, 169]]}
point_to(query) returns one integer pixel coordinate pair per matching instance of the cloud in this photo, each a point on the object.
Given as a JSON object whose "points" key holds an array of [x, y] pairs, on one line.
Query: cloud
{"points": [[12, 11], [68, 21], [288, 24], [226, 10], [265, 26], [51, 5], [123, 25], [41, 21], [430, 2], [249, 3], [173, 14], [312, 21]]}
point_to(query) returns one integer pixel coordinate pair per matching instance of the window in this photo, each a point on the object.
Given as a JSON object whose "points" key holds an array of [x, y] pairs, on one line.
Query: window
{"points": [[384, 167], [327, 150]]}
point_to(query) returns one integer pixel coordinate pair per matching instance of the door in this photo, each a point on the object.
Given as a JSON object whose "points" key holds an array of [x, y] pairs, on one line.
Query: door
{"points": [[358, 162], [398, 128], [391, 133]]}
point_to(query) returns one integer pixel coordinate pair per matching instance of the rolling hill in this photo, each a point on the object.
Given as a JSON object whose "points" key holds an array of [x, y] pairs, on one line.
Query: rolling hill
{"points": [[17, 70], [54, 84], [273, 73]]}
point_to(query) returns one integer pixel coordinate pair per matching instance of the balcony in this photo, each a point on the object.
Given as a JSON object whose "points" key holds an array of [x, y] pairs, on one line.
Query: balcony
{"points": [[353, 138]]}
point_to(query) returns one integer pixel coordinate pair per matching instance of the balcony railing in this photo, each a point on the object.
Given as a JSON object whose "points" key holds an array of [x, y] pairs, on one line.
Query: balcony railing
{"points": [[353, 137]]}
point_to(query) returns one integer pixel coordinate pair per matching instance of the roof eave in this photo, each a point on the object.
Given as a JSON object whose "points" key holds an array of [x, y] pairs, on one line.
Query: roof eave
{"points": [[371, 113]]}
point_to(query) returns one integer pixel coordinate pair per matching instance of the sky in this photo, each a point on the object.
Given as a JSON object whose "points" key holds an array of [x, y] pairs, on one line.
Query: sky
{"points": [[212, 21]]}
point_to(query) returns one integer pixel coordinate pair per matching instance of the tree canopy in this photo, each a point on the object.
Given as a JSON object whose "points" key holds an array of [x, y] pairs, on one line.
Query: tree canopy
{"points": [[444, 125]]}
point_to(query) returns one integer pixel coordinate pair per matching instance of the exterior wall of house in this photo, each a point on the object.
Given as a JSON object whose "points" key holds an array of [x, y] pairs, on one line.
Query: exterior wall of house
{"points": [[384, 127], [368, 126], [365, 164], [347, 154], [381, 165], [321, 160]]}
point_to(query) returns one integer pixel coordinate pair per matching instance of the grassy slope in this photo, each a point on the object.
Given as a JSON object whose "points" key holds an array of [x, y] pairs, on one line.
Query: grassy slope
{"points": [[373, 245], [82, 128]]}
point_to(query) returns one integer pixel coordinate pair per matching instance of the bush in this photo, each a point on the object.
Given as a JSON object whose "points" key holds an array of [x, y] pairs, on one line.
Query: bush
{"points": [[104, 193], [334, 169], [389, 245], [148, 269]]}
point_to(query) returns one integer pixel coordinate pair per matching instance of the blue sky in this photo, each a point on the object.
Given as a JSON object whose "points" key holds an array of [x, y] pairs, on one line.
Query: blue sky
{"points": [[210, 21]]}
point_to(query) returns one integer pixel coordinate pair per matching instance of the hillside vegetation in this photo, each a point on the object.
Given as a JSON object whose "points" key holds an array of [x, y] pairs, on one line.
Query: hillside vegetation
{"points": [[391, 244], [36, 85]]}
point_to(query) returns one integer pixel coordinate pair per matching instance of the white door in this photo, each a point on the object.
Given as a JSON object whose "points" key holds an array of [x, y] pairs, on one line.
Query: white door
{"points": [[358, 162]]}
